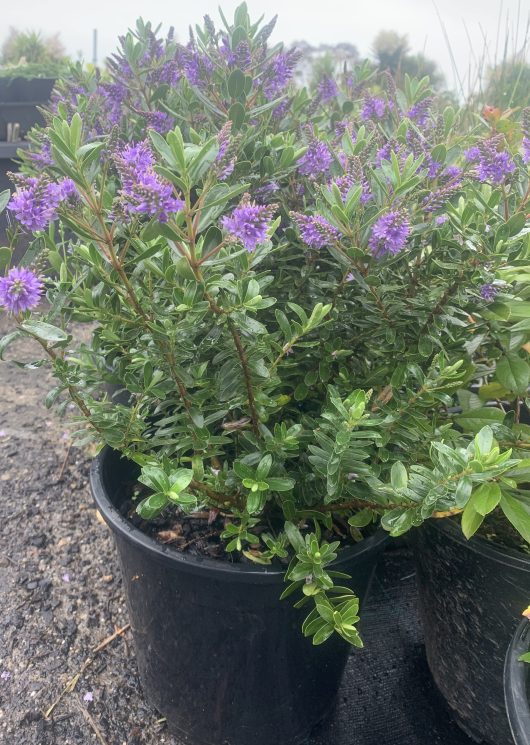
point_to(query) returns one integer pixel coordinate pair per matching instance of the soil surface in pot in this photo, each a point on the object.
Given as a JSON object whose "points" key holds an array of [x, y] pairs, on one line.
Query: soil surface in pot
{"points": [[61, 597], [200, 533]]}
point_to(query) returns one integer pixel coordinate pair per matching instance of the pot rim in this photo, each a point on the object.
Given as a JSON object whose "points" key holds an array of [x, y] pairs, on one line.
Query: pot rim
{"points": [[516, 675], [223, 570], [507, 556]]}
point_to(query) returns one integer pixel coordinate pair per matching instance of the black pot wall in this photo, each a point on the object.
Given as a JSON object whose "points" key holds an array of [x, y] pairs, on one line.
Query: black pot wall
{"points": [[470, 595], [219, 655], [517, 685]]}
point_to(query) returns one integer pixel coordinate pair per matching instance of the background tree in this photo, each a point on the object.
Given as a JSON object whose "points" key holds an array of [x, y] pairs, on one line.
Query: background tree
{"points": [[30, 47]]}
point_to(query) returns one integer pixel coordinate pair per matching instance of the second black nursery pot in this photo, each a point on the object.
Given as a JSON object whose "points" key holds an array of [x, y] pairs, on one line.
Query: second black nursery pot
{"points": [[517, 685], [471, 594], [219, 655]]}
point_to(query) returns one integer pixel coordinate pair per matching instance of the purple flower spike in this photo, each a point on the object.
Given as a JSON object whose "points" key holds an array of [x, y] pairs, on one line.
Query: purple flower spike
{"points": [[327, 89], [316, 160], [315, 230], [144, 192], [389, 234], [20, 290], [36, 200], [420, 111], [374, 108], [249, 222], [488, 292], [493, 164]]}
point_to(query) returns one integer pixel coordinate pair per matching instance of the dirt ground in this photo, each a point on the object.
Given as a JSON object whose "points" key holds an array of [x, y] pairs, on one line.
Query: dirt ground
{"points": [[60, 590]]}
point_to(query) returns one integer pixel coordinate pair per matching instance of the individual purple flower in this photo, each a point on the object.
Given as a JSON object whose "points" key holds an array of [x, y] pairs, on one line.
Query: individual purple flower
{"points": [[88, 697], [327, 89], [441, 219], [249, 222], [316, 160], [143, 190], [389, 233], [20, 290], [5, 675], [488, 292], [420, 111], [36, 200], [315, 230], [373, 108]]}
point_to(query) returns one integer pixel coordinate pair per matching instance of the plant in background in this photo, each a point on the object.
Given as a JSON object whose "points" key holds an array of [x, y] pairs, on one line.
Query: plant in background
{"points": [[294, 315]]}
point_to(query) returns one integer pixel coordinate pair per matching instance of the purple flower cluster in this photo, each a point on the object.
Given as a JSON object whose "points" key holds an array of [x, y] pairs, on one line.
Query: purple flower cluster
{"points": [[279, 72], [389, 233], [20, 290], [420, 111], [36, 200], [249, 222], [493, 164], [488, 292], [327, 89], [225, 163], [353, 176], [315, 230], [316, 160], [450, 182], [373, 108], [143, 191], [160, 121]]}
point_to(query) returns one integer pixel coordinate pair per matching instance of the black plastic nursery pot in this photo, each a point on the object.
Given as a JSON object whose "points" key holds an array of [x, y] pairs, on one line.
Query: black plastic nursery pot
{"points": [[219, 655], [517, 685], [20, 99], [470, 595]]}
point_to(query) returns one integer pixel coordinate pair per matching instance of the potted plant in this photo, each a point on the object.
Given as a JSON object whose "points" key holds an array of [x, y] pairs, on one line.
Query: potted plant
{"points": [[469, 590], [516, 683], [292, 354]]}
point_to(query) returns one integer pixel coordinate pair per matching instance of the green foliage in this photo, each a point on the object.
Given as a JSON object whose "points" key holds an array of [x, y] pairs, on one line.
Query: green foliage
{"points": [[299, 391]]}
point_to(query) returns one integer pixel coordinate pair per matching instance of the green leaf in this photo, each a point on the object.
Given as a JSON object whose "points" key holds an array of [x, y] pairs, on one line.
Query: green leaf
{"points": [[237, 114], [518, 513], [152, 506], [236, 83], [475, 419], [180, 479], [45, 331], [471, 521], [485, 498], [513, 373], [280, 484], [4, 199], [295, 537], [6, 340], [155, 478], [398, 476], [264, 467]]}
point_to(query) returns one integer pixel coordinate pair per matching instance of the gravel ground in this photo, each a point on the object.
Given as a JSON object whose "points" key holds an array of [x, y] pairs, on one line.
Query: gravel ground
{"points": [[61, 596]]}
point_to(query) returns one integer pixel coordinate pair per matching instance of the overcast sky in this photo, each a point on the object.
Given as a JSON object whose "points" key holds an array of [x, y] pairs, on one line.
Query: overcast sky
{"points": [[316, 21]]}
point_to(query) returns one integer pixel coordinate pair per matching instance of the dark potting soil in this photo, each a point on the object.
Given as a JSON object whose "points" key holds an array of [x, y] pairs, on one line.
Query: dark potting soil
{"points": [[61, 596], [200, 533]]}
